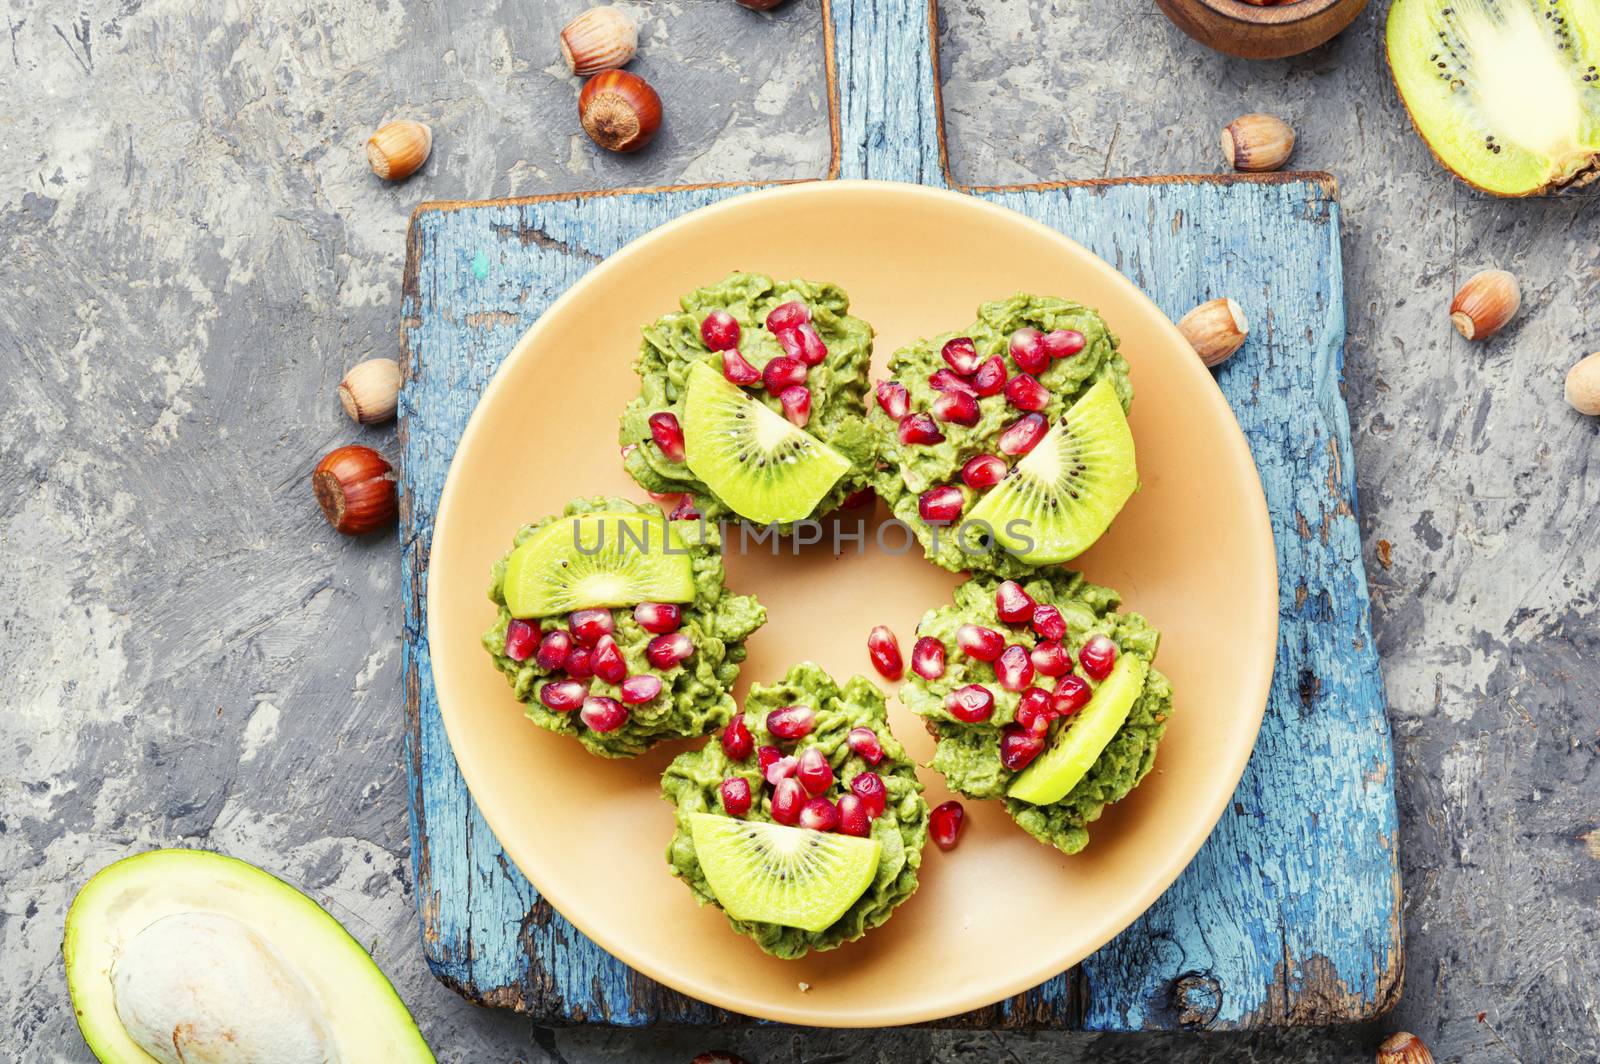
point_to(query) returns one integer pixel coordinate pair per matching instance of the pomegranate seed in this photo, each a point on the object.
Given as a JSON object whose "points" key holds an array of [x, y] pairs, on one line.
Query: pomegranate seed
{"points": [[563, 696], [658, 617], [1071, 694], [719, 330], [1019, 746], [865, 745], [1013, 604], [857, 499], [787, 798], [628, 449], [766, 757], [1097, 657], [972, 704], [783, 372], [735, 796], [685, 510], [819, 814], [589, 625], [781, 769], [870, 788], [738, 369], [786, 316], [1049, 623], [942, 380], [553, 649], [941, 505], [1027, 350], [603, 714], [894, 399], [792, 343], [958, 408], [991, 377], [1051, 659], [1025, 393], [1033, 710], [736, 740], [1015, 668], [983, 471], [665, 651], [884, 649], [982, 644], [962, 355], [792, 722], [607, 661], [637, 690], [577, 664], [853, 818], [919, 428], [814, 773], [668, 434], [796, 402], [1063, 343], [945, 823], [811, 350], [1024, 434], [927, 658], [521, 640]]}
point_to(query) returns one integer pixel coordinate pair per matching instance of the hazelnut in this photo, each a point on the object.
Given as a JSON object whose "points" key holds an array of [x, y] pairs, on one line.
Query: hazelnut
{"points": [[355, 488], [1583, 385], [1257, 142], [371, 390], [398, 149], [602, 38], [1403, 1048], [759, 5], [1485, 303], [619, 110], [1215, 330]]}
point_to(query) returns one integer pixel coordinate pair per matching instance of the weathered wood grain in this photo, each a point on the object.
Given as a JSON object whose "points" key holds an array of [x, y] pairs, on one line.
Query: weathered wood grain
{"points": [[1290, 914]]}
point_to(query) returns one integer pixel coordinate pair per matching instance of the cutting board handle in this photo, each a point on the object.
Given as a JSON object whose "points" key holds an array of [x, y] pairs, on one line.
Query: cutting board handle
{"points": [[883, 58]]}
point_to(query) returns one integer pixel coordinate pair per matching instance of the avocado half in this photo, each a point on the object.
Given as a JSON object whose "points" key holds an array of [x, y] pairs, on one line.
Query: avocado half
{"points": [[186, 956], [1506, 93]]}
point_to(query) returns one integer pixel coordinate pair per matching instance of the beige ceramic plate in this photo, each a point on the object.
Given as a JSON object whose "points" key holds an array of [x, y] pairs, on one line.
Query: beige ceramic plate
{"points": [[1193, 550]]}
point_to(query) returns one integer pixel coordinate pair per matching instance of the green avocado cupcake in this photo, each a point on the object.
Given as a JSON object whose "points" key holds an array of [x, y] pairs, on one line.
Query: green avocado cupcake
{"points": [[752, 402], [1041, 694], [616, 628], [804, 821], [1005, 446]]}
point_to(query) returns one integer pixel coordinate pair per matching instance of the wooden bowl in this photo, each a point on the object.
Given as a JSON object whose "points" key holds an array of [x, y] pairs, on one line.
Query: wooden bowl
{"points": [[1253, 32]]}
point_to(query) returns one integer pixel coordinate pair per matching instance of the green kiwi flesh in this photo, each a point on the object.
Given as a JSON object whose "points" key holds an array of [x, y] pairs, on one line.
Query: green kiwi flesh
{"points": [[764, 468], [1083, 737], [1506, 93], [1063, 494], [603, 559], [772, 874]]}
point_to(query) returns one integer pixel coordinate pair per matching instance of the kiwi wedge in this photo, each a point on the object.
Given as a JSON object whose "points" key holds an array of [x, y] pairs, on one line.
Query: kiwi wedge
{"points": [[600, 559], [764, 468], [772, 874], [1505, 92], [1063, 494], [1079, 745]]}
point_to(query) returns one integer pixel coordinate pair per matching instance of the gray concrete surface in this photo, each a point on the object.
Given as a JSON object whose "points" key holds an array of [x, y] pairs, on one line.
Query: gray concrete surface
{"points": [[194, 251]]}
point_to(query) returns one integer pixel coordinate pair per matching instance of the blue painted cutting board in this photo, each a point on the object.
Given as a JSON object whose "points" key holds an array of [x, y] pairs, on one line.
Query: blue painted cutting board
{"points": [[1290, 913]]}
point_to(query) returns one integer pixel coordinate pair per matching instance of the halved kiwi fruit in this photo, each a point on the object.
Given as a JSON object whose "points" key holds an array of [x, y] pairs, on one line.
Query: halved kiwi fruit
{"points": [[1055, 772], [764, 468], [602, 559], [772, 874], [1063, 494], [1505, 92]]}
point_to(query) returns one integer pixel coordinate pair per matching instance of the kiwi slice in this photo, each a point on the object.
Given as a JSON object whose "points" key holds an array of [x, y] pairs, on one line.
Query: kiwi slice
{"points": [[1063, 494], [1505, 92], [1055, 772], [764, 468], [771, 874], [603, 559]]}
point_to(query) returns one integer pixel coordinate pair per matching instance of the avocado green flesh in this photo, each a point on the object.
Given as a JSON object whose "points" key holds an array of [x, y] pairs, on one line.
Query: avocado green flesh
{"points": [[1056, 771], [609, 559], [822, 873], [1507, 95], [345, 993]]}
